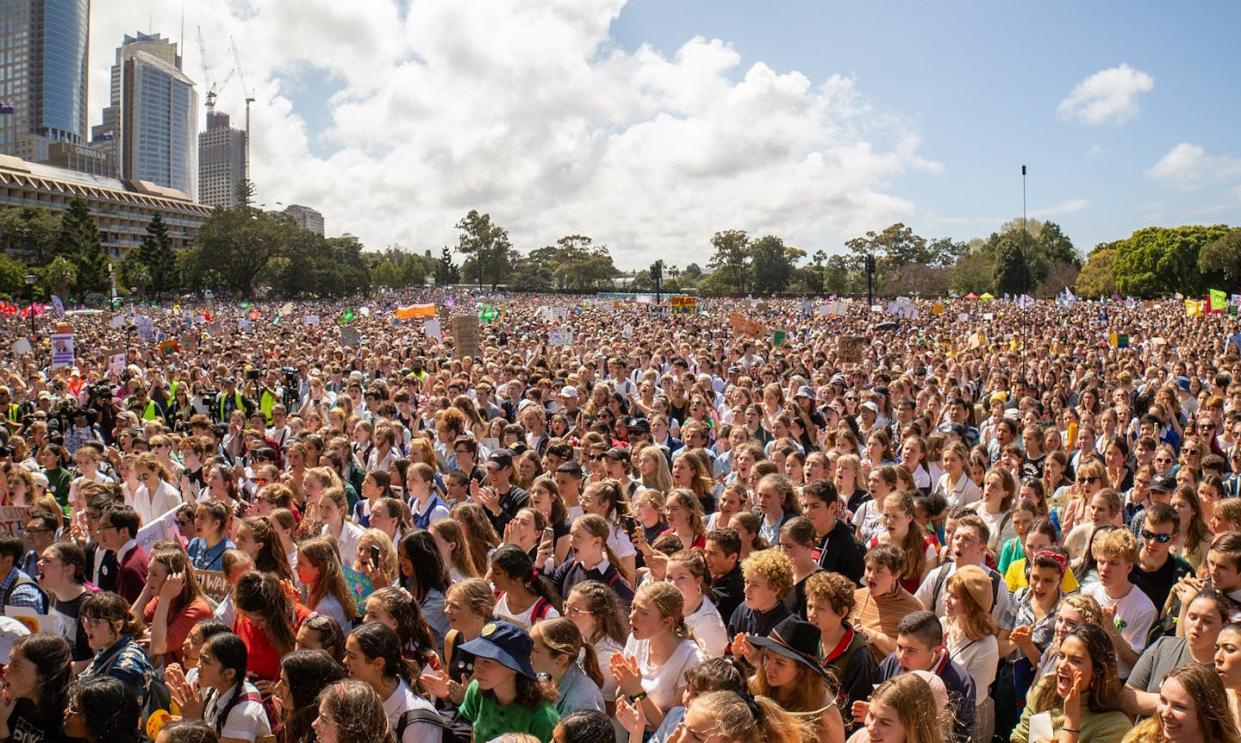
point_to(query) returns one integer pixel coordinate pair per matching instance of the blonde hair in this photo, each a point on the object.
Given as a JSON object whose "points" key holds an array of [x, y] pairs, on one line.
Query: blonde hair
{"points": [[562, 637], [385, 572], [773, 566], [754, 720], [460, 556], [661, 479], [1115, 543], [669, 603], [476, 595], [914, 703]]}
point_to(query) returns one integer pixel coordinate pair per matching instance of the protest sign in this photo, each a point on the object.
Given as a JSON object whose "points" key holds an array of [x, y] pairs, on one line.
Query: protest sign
{"points": [[743, 325], [350, 336], [116, 363], [849, 349], [163, 527], [62, 349], [13, 519], [21, 346], [432, 329], [560, 337], [213, 583], [683, 304], [359, 586], [32, 620], [465, 333], [416, 311], [310, 320], [555, 314]]}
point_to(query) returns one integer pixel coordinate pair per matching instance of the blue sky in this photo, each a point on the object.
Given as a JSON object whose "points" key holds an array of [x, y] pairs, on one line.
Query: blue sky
{"points": [[651, 124], [981, 82]]}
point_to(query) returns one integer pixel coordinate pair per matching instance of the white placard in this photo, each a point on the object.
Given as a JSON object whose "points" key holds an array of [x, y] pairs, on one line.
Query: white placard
{"points": [[560, 337]]}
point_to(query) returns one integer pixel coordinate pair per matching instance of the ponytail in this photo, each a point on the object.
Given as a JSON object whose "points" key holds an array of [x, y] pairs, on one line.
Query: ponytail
{"points": [[562, 637]]}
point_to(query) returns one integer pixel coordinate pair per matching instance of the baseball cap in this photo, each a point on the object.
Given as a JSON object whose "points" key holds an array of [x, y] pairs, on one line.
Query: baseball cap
{"points": [[1163, 483], [1183, 383], [501, 458], [804, 391], [639, 424], [504, 643], [617, 454], [871, 406], [568, 391]]}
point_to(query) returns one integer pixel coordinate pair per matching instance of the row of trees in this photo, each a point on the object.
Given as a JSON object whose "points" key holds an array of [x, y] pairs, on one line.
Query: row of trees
{"points": [[245, 250]]}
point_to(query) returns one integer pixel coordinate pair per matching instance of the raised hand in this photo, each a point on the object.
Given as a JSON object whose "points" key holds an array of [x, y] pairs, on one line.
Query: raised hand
{"points": [[631, 718], [625, 671]]}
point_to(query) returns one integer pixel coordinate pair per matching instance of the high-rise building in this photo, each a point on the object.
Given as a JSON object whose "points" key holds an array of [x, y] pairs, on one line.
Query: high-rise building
{"points": [[221, 162], [305, 217], [43, 75], [151, 126]]}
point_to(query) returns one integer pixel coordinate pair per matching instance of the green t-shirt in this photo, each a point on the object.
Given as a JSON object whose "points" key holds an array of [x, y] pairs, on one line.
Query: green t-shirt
{"points": [[58, 481], [491, 720]]}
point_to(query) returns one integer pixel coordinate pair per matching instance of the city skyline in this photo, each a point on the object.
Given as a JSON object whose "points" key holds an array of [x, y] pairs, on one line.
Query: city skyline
{"points": [[648, 126]]}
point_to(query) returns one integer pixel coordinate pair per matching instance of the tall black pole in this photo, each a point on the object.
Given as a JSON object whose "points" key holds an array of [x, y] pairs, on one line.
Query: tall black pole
{"points": [[870, 282], [1025, 230]]}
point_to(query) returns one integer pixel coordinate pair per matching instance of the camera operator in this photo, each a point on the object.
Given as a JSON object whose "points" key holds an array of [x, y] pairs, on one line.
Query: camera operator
{"points": [[81, 427], [143, 405], [231, 398]]}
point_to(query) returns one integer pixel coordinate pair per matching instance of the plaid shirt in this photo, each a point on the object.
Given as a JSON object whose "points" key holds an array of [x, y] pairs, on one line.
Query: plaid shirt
{"points": [[125, 661], [26, 595]]}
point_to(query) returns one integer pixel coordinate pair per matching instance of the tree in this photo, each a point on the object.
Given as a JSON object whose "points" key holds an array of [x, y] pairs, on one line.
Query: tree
{"points": [[30, 232], [1159, 260], [1095, 279], [837, 275], [693, 272], [915, 278], [12, 276], [234, 246], [445, 271], [1012, 274], [1223, 255], [1059, 277], [1042, 244], [156, 254], [730, 263], [245, 192], [134, 272], [771, 265], [79, 241], [488, 244], [972, 272]]}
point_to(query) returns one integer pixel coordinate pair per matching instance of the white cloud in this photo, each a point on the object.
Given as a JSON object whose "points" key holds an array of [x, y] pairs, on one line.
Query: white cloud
{"points": [[1107, 97], [1095, 150], [528, 110], [1070, 206], [1187, 166]]}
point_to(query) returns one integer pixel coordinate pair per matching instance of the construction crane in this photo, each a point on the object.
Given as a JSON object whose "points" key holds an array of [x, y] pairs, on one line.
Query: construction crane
{"points": [[213, 88], [248, 93]]}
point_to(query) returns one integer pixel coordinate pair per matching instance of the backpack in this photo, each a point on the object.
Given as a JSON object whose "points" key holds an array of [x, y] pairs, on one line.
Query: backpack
{"points": [[540, 609], [24, 580], [454, 728], [155, 693]]}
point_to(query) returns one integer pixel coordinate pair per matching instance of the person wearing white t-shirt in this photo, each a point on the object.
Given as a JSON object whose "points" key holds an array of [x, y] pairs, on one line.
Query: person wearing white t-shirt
{"points": [[1127, 610], [651, 671], [968, 546], [373, 656]]}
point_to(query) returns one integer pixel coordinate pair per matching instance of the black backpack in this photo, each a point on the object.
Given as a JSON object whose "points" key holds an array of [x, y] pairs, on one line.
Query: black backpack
{"points": [[455, 728]]}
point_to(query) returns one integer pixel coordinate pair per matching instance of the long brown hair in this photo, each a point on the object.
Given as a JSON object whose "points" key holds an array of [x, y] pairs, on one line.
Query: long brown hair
{"points": [[1105, 688], [176, 561], [271, 557], [562, 637], [320, 553], [461, 558], [262, 594], [358, 712], [480, 535]]}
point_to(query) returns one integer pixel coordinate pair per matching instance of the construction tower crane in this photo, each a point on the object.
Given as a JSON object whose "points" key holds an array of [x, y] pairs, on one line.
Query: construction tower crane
{"points": [[213, 88], [248, 93]]}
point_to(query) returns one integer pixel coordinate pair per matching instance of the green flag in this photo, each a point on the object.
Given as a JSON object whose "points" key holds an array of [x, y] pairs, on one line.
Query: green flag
{"points": [[487, 313], [245, 305], [1219, 301], [778, 337], [347, 316]]}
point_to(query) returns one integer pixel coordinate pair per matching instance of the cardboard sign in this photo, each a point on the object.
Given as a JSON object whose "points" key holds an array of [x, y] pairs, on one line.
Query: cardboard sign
{"points": [[33, 621], [62, 349], [310, 320], [849, 349], [350, 336], [742, 325], [213, 583], [465, 332], [683, 304], [554, 314], [116, 364], [560, 337], [13, 519], [21, 347]]}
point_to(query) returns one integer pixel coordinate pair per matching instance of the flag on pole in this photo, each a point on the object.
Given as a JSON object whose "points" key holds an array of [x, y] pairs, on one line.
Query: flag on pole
{"points": [[347, 316], [1219, 300]]}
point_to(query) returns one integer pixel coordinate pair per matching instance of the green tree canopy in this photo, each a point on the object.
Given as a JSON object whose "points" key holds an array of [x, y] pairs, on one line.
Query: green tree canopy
{"points": [[488, 244], [29, 232], [1155, 261]]}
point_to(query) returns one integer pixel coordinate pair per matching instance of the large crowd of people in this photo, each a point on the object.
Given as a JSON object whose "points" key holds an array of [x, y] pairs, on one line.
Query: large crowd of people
{"points": [[595, 518]]}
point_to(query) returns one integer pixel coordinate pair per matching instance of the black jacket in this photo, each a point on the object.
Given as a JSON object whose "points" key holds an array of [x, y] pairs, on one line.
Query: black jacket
{"points": [[728, 591], [839, 552]]}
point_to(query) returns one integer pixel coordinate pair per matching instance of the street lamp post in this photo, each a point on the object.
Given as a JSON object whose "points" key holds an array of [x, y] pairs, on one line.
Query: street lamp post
{"points": [[30, 282]]}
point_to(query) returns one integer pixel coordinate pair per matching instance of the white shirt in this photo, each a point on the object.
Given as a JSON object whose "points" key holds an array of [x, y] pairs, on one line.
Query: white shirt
{"points": [[926, 592], [246, 721], [965, 493], [708, 628], [979, 658], [1135, 611], [403, 700], [350, 535], [151, 507], [663, 683], [522, 619]]}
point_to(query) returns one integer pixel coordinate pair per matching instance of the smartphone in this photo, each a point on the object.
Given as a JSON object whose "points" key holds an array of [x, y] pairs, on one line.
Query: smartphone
{"points": [[548, 535], [375, 556], [630, 523]]}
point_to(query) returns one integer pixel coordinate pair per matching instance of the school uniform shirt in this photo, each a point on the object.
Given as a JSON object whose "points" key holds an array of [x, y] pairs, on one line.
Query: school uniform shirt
{"points": [[708, 628], [661, 682], [131, 573], [965, 492], [1135, 614], [577, 691], [247, 720], [330, 606], [853, 664], [435, 509], [491, 720], [350, 535], [524, 619], [753, 622], [840, 552], [203, 557], [605, 648], [571, 572], [402, 700], [125, 661]]}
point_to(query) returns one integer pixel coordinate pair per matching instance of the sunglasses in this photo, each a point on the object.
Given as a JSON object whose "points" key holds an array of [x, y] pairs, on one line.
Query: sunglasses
{"points": [[1086, 480], [1161, 538]]}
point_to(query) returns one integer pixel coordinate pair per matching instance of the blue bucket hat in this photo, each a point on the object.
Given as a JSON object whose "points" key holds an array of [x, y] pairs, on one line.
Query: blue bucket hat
{"points": [[504, 643]]}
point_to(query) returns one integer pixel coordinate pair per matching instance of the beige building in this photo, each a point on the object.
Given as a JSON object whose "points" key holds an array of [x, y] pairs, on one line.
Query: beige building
{"points": [[122, 209]]}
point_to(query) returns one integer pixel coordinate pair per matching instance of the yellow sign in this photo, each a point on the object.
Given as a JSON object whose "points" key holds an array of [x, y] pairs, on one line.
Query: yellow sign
{"points": [[937, 308]]}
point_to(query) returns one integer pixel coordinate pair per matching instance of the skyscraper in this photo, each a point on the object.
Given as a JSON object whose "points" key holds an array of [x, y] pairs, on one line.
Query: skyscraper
{"points": [[106, 136], [158, 123], [221, 162], [43, 75]]}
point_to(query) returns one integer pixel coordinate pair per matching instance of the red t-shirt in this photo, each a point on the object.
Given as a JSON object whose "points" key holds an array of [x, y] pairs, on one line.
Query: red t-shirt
{"points": [[263, 659], [179, 625]]}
